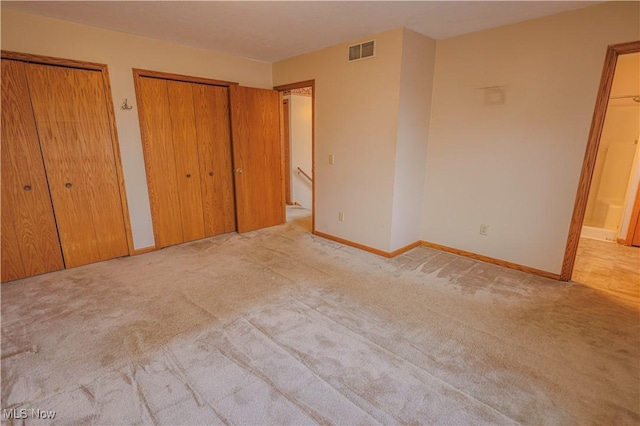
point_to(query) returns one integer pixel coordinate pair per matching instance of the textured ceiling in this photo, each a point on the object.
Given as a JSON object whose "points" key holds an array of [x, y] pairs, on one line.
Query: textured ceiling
{"points": [[274, 30]]}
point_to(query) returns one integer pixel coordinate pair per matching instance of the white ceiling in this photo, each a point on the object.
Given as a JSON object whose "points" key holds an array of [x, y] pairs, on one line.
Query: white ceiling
{"points": [[274, 30]]}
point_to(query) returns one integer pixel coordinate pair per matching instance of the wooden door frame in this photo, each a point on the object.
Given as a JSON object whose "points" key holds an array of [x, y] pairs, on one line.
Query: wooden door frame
{"points": [[300, 85], [115, 144], [589, 162], [286, 139], [137, 73]]}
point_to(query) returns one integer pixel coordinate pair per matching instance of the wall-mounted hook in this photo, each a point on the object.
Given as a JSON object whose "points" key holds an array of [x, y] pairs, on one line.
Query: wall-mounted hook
{"points": [[125, 105]]}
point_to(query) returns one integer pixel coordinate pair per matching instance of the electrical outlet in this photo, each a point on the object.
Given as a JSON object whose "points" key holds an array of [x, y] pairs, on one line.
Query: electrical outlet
{"points": [[484, 229], [341, 216], [332, 159]]}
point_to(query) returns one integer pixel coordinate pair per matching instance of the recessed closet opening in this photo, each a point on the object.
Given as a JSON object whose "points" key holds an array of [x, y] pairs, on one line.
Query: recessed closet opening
{"points": [[212, 156]]}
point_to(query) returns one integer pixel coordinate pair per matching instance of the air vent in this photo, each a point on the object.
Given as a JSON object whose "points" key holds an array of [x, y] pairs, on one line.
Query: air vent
{"points": [[362, 50]]}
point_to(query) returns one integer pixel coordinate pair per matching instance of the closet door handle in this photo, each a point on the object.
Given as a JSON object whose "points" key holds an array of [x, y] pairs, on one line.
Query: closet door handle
{"points": [[238, 170], [210, 173], [27, 187], [188, 175], [68, 184]]}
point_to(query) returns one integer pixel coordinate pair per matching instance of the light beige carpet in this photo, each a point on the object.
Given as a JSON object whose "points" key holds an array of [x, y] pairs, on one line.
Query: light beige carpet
{"points": [[281, 327]]}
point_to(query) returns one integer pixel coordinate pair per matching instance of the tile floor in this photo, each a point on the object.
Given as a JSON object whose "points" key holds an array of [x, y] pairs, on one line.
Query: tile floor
{"points": [[609, 267]]}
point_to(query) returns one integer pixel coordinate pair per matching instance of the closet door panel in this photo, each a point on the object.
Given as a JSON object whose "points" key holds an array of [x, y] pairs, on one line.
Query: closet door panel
{"points": [[70, 107], [255, 125], [214, 146], [185, 148], [155, 122], [30, 242]]}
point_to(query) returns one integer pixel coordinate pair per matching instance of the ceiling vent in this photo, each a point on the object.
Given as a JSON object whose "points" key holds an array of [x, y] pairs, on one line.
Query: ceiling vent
{"points": [[362, 50]]}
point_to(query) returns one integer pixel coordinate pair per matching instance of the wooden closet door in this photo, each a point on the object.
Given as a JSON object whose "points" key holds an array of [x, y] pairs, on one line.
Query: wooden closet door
{"points": [[71, 114], [30, 242], [214, 147], [155, 123], [185, 148], [255, 127]]}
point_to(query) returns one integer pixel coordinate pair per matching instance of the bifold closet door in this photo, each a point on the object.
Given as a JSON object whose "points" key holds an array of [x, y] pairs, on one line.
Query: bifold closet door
{"points": [[214, 147], [257, 157], [70, 108], [185, 148], [186, 140], [30, 244], [160, 163]]}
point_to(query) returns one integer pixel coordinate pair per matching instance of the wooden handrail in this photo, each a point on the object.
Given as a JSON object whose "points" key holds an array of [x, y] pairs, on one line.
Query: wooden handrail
{"points": [[305, 174]]}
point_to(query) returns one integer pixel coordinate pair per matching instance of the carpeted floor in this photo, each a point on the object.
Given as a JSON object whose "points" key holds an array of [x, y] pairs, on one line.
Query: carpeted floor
{"points": [[281, 327]]}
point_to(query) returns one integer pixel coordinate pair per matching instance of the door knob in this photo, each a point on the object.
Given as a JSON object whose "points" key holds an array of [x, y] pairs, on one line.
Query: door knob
{"points": [[188, 175], [27, 187], [68, 185], [238, 170], [210, 173]]}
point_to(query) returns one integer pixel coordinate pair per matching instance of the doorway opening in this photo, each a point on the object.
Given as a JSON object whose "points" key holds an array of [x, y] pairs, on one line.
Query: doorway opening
{"points": [[614, 181], [607, 206], [297, 107]]}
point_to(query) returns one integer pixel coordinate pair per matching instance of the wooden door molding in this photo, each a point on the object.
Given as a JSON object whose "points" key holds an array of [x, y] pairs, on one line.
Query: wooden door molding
{"points": [[286, 145], [137, 72], [300, 85], [50, 60], [588, 164]]}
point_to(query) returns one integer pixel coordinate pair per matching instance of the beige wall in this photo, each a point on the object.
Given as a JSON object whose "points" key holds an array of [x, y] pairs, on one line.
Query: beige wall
{"points": [[301, 155], [416, 84], [356, 120], [515, 165], [121, 52]]}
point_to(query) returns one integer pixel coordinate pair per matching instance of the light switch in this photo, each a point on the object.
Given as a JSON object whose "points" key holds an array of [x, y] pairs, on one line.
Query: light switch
{"points": [[332, 159]]}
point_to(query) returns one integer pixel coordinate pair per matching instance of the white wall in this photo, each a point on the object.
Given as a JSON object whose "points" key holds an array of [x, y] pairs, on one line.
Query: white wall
{"points": [[356, 114], [515, 165], [416, 84], [301, 156], [121, 52]]}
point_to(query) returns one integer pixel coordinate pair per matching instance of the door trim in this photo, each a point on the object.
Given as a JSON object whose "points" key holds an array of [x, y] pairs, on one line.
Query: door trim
{"points": [[50, 60], [589, 162], [137, 72], [286, 142], [115, 144], [300, 85]]}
